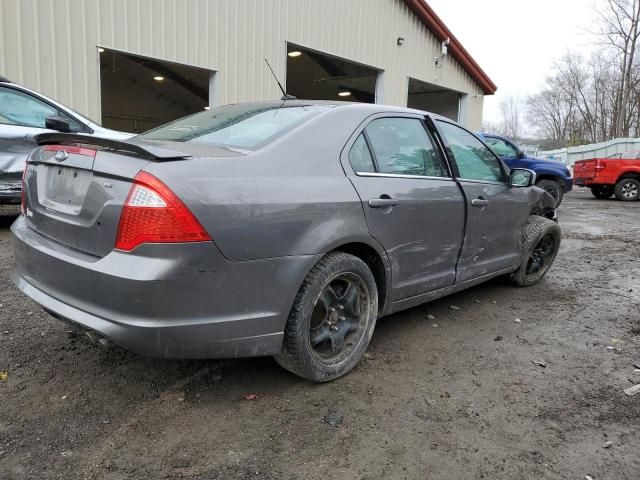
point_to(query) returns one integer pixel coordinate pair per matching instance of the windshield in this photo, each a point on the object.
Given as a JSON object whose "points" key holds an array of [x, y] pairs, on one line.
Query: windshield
{"points": [[243, 125]]}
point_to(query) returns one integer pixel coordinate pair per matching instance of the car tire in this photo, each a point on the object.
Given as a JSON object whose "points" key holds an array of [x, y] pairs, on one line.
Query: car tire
{"points": [[540, 243], [602, 192], [553, 187], [320, 312], [628, 189]]}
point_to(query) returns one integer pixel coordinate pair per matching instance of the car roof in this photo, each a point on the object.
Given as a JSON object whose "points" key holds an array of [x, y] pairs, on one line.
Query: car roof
{"points": [[370, 108]]}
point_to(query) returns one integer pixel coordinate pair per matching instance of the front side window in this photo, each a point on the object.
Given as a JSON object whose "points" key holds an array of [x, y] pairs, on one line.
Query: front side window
{"points": [[501, 147], [242, 125], [473, 159], [402, 146], [18, 108]]}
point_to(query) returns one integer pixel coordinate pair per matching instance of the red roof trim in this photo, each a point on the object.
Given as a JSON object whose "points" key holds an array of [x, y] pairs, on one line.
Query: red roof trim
{"points": [[440, 30]]}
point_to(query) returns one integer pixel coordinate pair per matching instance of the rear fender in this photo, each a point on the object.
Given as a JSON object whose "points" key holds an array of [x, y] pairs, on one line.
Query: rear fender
{"points": [[633, 172]]}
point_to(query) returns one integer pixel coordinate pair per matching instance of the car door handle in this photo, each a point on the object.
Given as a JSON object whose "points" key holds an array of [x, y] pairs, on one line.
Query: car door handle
{"points": [[479, 202], [383, 202]]}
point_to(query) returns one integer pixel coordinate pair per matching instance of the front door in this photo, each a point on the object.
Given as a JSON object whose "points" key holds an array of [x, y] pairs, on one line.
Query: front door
{"points": [[495, 212], [412, 205]]}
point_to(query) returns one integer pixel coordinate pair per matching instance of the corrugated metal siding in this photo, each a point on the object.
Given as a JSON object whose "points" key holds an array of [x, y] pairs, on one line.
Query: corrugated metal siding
{"points": [[51, 45]]}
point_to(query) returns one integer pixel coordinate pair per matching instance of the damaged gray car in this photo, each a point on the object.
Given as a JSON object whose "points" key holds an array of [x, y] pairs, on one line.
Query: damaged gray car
{"points": [[279, 228], [24, 114]]}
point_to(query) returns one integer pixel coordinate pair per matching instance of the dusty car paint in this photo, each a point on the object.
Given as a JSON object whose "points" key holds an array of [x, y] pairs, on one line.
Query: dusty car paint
{"points": [[272, 213]]}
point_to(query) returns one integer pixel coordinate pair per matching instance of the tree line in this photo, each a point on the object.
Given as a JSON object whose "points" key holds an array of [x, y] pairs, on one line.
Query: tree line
{"points": [[587, 100]]}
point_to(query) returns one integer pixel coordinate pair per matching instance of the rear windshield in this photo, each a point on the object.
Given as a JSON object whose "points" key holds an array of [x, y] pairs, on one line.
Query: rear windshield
{"points": [[244, 126]]}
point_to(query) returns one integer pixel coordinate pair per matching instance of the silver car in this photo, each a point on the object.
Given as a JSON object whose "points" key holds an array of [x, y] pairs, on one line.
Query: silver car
{"points": [[24, 114], [280, 228]]}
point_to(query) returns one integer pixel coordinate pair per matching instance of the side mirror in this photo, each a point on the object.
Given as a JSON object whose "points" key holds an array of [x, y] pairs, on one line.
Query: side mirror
{"points": [[56, 122], [521, 155], [522, 177]]}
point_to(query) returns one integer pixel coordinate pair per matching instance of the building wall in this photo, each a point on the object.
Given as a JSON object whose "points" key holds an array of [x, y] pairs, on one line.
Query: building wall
{"points": [[51, 45]]}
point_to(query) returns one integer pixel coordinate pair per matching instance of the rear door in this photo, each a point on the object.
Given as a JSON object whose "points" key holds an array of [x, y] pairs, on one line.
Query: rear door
{"points": [[496, 212], [412, 205]]}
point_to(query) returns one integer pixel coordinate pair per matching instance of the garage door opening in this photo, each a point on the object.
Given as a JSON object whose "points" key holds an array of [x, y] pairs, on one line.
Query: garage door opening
{"points": [[139, 93], [316, 76], [433, 98]]}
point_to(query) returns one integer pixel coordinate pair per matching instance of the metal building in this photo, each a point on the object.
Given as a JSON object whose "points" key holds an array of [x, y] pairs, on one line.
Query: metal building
{"points": [[134, 64]]}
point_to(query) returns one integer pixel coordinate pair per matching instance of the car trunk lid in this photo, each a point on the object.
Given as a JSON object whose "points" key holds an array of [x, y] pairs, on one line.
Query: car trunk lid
{"points": [[75, 187]]}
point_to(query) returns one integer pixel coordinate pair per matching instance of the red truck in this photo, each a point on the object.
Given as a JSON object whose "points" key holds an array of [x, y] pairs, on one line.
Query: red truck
{"points": [[618, 174]]}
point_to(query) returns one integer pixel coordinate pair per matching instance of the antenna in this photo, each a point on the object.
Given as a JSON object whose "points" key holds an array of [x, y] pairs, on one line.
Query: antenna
{"points": [[285, 96]]}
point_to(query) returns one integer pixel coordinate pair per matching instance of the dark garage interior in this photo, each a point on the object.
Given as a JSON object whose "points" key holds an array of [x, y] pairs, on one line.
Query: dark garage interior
{"points": [[140, 93], [433, 98], [315, 76]]}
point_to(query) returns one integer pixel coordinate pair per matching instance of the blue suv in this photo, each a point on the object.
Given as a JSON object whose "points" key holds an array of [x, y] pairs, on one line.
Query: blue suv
{"points": [[554, 177]]}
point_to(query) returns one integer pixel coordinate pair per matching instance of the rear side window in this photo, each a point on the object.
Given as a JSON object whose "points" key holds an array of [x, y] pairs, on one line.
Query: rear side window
{"points": [[473, 159], [360, 156], [243, 125], [402, 146]]}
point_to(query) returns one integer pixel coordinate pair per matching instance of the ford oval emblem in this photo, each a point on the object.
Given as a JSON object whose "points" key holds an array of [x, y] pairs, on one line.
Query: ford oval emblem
{"points": [[61, 155]]}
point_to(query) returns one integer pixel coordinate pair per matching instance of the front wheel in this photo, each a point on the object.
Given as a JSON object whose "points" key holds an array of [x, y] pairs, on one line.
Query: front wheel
{"points": [[540, 245], [602, 192], [553, 188], [628, 189], [332, 319]]}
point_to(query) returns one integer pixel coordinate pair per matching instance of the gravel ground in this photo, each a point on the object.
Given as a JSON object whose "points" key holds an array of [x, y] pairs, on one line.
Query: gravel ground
{"points": [[456, 395]]}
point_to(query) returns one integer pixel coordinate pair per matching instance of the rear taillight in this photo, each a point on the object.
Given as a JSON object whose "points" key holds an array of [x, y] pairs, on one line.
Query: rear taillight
{"points": [[23, 194], [152, 213]]}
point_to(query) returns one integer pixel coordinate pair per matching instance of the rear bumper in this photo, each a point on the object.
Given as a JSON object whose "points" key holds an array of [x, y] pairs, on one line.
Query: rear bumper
{"points": [[10, 197], [587, 181], [167, 301], [583, 182]]}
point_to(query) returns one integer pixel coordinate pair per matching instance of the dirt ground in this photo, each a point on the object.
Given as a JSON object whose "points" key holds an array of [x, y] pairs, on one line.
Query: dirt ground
{"points": [[456, 396]]}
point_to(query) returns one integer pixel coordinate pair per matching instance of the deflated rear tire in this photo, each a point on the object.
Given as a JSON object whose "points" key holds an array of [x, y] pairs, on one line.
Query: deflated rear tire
{"points": [[539, 247], [332, 319]]}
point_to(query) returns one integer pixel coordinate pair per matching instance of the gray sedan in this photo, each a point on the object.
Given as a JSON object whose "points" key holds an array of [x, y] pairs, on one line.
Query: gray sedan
{"points": [[283, 228]]}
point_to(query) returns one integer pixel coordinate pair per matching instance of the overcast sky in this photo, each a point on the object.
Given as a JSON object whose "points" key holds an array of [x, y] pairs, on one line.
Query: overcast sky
{"points": [[516, 41]]}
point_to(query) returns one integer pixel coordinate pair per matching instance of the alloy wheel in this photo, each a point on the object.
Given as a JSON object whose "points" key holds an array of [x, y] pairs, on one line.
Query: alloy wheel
{"points": [[541, 256], [339, 317], [629, 190]]}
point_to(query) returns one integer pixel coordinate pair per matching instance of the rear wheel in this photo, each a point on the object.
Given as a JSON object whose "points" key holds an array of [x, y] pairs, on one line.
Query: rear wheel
{"points": [[628, 189], [332, 319], [553, 187], [602, 192], [540, 245]]}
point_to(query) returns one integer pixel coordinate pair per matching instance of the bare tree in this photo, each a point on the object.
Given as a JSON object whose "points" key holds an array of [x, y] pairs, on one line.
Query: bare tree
{"points": [[551, 114], [580, 102], [510, 117], [620, 29]]}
